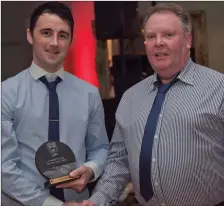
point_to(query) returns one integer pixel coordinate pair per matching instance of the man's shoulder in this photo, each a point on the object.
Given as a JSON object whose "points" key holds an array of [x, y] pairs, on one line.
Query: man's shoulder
{"points": [[209, 73], [132, 95], [78, 83], [140, 87], [13, 82], [12, 86]]}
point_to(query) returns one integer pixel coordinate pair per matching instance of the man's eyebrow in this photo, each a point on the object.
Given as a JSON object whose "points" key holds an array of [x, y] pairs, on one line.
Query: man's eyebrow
{"points": [[49, 29], [149, 32], [62, 31]]}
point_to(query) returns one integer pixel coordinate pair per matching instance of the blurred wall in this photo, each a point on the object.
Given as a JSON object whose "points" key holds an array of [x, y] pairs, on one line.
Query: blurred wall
{"points": [[17, 53], [215, 30]]}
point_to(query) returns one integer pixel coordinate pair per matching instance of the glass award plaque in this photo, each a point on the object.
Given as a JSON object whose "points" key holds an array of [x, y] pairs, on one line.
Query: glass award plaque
{"points": [[55, 160]]}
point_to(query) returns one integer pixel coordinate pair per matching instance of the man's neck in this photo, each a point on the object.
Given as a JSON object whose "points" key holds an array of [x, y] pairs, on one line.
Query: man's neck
{"points": [[169, 79], [49, 69]]}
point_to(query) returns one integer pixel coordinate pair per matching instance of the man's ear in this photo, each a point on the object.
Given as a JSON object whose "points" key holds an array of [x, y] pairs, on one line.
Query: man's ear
{"points": [[29, 36], [189, 40]]}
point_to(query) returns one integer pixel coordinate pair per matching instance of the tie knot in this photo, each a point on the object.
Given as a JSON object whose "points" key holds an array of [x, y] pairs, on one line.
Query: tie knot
{"points": [[163, 88], [50, 85]]}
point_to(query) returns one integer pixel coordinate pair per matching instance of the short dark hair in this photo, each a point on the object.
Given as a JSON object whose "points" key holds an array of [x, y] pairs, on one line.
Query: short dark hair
{"points": [[56, 8]]}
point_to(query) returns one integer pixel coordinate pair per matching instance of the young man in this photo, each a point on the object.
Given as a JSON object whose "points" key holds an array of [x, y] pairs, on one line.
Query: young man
{"points": [[27, 104], [169, 134]]}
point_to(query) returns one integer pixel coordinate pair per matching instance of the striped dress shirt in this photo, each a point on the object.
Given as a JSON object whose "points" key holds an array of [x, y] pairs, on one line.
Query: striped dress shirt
{"points": [[188, 149]]}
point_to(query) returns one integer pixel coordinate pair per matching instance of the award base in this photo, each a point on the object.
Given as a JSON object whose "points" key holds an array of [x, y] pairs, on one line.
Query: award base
{"points": [[56, 181]]}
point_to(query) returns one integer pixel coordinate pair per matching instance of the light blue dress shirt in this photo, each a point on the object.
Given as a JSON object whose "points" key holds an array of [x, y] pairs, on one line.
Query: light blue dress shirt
{"points": [[25, 110]]}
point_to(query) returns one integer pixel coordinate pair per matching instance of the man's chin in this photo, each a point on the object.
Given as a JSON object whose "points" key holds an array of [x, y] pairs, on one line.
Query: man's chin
{"points": [[53, 66], [54, 63], [161, 68]]}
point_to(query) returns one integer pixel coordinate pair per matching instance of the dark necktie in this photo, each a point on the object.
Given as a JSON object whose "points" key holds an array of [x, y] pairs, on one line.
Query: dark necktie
{"points": [[53, 127], [146, 189]]}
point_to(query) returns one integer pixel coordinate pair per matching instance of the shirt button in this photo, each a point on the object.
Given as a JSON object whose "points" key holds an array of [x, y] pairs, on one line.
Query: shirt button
{"points": [[156, 183], [153, 159], [156, 136], [160, 115]]}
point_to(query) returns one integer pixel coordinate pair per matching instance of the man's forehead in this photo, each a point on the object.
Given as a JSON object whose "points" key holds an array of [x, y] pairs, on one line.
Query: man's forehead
{"points": [[165, 19], [164, 13], [52, 21]]}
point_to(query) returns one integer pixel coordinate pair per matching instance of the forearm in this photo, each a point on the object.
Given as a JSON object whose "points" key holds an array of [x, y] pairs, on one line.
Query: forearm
{"points": [[97, 144], [96, 161], [116, 174], [14, 182], [20, 187], [100, 199], [111, 185]]}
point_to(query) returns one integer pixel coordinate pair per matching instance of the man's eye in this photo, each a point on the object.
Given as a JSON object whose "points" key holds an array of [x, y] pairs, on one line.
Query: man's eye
{"points": [[63, 36], [46, 33], [150, 36], [169, 34]]}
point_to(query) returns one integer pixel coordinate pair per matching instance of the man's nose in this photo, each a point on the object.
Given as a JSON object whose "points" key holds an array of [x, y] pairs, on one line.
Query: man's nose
{"points": [[54, 41], [159, 41]]}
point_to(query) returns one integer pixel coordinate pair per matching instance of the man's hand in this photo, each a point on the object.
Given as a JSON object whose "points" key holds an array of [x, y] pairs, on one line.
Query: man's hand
{"points": [[84, 203], [83, 174]]}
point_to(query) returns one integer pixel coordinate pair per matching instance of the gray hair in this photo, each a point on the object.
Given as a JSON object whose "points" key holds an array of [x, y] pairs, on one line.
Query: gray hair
{"points": [[174, 8]]}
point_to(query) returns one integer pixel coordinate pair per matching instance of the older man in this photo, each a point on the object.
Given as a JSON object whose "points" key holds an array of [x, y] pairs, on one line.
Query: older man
{"points": [[169, 133]]}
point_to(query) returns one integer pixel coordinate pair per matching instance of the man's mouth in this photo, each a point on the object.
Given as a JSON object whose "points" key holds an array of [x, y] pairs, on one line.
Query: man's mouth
{"points": [[52, 52], [161, 54]]}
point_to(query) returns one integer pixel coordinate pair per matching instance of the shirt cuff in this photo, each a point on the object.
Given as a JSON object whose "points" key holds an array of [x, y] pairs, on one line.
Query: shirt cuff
{"points": [[96, 170], [52, 201]]}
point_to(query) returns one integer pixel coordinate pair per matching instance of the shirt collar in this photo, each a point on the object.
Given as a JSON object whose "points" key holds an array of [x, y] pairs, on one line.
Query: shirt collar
{"points": [[188, 72], [186, 75], [37, 72]]}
